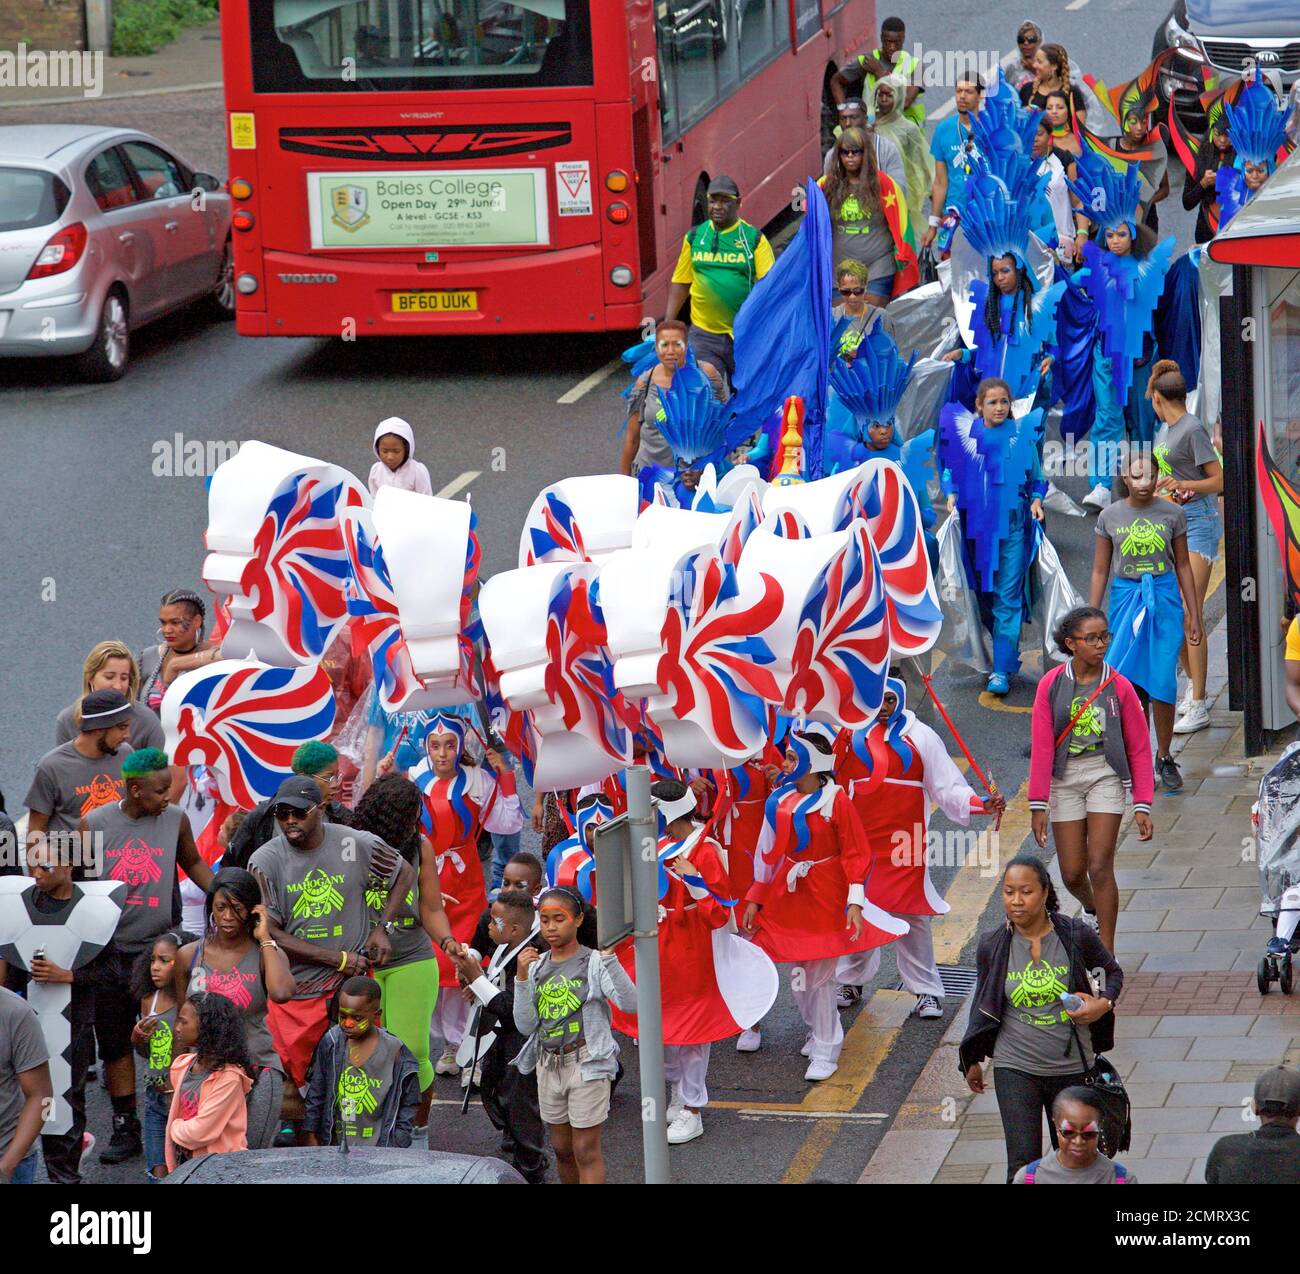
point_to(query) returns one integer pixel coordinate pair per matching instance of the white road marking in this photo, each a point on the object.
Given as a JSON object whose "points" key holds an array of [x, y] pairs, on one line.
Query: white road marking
{"points": [[757, 1112], [586, 385], [457, 484], [1075, 4], [951, 104]]}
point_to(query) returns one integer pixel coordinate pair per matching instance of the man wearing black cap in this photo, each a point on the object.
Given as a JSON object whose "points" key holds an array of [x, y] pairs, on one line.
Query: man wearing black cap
{"points": [[1271, 1154], [313, 877], [81, 775], [721, 260]]}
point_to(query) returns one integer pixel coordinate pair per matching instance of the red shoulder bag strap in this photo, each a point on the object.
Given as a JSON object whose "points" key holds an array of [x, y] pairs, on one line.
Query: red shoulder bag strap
{"points": [[1083, 707]]}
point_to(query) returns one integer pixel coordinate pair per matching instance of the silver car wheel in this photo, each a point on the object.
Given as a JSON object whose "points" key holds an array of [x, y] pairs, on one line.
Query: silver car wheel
{"points": [[113, 330], [224, 292]]}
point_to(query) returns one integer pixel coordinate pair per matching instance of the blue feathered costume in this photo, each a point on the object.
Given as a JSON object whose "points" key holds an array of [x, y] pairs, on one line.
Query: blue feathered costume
{"points": [[1257, 130]]}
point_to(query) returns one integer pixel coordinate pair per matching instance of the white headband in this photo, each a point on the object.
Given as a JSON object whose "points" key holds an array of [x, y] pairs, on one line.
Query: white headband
{"points": [[673, 810]]}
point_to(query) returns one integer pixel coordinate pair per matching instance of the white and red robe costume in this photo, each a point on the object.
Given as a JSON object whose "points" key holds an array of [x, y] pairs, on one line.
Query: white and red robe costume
{"points": [[713, 983], [742, 795], [454, 816], [893, 802], [804, 892]]}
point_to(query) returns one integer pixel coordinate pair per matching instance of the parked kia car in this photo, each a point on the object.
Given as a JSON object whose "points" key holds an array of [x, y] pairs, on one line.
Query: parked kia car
{"points": [[101, 231], [1226, 36]]}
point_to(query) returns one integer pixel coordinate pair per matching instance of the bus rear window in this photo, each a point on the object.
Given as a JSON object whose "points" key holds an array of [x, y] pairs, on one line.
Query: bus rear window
{"points": [[357, 46]]}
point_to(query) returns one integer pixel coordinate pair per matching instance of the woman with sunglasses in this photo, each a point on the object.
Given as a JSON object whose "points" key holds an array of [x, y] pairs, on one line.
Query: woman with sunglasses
{"points": [[1040, 1044], [643, 445], [869, 219], [1090, 751], [317, 761], [1028, 38]]}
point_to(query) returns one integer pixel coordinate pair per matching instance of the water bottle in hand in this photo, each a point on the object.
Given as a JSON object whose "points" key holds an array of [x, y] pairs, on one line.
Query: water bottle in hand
{"points": [[1071, 1001]]}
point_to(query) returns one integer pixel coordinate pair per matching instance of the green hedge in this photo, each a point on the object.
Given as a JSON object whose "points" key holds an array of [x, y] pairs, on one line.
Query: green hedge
{"points": [[144, 26]]}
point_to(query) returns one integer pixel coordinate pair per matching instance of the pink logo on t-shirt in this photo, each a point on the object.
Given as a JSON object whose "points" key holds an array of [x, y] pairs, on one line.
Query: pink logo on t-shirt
{"points": [[136, 863], [234, 985]]}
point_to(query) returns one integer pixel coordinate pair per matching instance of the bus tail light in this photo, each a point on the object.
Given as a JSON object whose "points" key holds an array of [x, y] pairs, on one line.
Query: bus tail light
{"points": [[240, 188], [619, 213], [621, 276], [617, 181], [243, 220], [61, 253]]}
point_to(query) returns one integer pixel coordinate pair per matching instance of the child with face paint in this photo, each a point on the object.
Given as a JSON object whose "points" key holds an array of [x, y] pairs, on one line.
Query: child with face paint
{"points": [[713, 983], [807, 906], [509, 1098], [364, 1082], [562, 1003], [896, 770], [460, 800], [572, 861], [1077, 1160]]}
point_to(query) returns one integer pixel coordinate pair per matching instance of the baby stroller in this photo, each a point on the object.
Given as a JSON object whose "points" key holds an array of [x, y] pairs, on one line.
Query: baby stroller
{"points": [[1276, 822]]}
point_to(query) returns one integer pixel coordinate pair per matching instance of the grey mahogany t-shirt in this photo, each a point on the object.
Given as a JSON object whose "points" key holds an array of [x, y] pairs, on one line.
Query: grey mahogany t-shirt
{"points": [[362, 1089], [319, 895], [561, 992], [1051, 1172], [22, 1048], [140, 852], [1035, 1028], [67, 785], [1142, 540], [1183, 449]]}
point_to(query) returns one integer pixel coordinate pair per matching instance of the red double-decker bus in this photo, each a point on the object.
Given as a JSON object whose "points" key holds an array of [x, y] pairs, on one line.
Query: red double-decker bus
{"points": [[414, 167]]}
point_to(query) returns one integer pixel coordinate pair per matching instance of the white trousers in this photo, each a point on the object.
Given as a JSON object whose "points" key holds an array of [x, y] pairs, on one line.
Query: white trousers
{"points": [[450, 1015], [914, 952], [687, 1066], [813, 986]]}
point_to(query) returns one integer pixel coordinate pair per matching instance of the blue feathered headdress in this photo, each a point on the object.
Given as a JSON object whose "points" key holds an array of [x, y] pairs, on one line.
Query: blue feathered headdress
{"points": [[695, 425], [1003, 132], [1256, 125], [873, 383], [1109, 198]]}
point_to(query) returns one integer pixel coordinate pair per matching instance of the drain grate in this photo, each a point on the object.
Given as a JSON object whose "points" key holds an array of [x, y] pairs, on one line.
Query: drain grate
{"points": [[958, 980]]}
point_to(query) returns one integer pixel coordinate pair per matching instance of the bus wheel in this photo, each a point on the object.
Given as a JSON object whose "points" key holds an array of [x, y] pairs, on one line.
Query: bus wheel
{"points": [[700, 204]]}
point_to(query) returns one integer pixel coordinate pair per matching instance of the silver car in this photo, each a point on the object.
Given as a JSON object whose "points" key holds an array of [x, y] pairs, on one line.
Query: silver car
{"points": [[101, 231]]}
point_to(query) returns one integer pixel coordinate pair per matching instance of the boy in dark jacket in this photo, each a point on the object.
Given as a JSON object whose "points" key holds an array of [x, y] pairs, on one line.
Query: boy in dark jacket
{"points": [[509, 1098], [364, 1083]]}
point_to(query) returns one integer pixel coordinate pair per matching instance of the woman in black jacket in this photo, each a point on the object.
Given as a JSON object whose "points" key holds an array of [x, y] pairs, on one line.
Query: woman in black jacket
{"points": [[1017, 1017], [1198, 186]]}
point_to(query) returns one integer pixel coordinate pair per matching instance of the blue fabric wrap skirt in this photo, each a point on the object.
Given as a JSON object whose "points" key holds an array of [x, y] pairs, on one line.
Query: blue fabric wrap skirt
{"points": [[1146, 624]]}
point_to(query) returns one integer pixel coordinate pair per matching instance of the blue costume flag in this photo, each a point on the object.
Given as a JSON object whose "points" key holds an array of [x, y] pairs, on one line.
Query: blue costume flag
{"points": [[783, 334]]}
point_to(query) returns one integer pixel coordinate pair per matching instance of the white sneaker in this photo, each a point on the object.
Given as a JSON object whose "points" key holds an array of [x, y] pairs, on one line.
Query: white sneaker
{"points": [[847, 996], [818, 1069], [468, 1076], [749, 1041], [1098, 497], [447, 1064], [686, 1127], [675, 1104], [1184, 700], [1197, 717], [928, 1006], [806, 1051]]}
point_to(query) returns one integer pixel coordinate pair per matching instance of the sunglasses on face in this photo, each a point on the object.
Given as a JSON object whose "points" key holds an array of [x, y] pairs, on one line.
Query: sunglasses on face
{"points": [[1068, 1132], [283, 812], [1027, 39], [852, 291], [850, 150]]}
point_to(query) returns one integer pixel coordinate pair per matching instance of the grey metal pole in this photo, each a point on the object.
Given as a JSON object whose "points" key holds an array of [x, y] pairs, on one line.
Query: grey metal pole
{"points": [[644, 841]]}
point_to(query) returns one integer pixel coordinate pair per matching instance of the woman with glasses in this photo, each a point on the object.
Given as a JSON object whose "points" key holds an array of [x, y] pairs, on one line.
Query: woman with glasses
{"points": [[1090, 752], [643, 445], [1028, 38], [869, 219], [316, 761], [1040, 1047]]}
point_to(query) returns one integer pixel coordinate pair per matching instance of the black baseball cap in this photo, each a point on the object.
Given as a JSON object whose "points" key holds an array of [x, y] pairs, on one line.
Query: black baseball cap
{"points": [[298, 791], [724, 185], [101, 709], [1277, 1091]]}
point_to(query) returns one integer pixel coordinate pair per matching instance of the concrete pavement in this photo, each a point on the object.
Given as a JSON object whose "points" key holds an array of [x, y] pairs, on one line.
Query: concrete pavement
{"points": [[1193, 1032]]}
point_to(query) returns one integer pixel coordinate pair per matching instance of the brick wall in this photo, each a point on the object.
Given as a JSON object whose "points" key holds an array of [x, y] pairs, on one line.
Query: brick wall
{"points": [[43, 24]]}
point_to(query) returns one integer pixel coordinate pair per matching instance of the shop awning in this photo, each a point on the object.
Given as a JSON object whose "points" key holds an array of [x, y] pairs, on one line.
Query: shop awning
{"points": [[1267, 230]]}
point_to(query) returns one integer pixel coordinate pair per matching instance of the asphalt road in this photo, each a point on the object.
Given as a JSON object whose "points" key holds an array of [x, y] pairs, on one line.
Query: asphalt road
{"points": [[93, 538]]}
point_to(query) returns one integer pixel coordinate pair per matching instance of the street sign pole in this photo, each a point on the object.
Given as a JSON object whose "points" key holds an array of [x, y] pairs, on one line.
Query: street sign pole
{"points": [[643, 840]]}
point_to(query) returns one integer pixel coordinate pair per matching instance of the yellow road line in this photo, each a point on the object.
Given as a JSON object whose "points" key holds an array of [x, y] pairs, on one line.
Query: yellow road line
{"points": [[813, 1150], [995, 704]]}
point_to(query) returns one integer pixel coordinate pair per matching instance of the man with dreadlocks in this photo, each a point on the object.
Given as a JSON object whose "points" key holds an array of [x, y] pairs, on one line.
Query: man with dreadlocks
{"points": [[140, 841], [895, 770], [460, 799], [808, 906]]}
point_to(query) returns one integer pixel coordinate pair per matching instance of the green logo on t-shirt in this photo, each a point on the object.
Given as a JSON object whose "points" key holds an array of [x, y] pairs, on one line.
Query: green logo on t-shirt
{"points": [[556, 1000], [1038, 985], [1089, 726], [160, 1046], [1142, 538], [354, 1093], [317, 894]]}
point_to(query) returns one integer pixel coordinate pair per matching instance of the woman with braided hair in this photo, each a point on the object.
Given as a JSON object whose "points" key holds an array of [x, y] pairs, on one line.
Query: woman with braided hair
{"points": [[182, 615], [1052, 73]]}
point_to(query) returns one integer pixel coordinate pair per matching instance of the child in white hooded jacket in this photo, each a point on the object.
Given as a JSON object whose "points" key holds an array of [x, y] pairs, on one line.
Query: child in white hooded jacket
{"points": [[396, 466]]}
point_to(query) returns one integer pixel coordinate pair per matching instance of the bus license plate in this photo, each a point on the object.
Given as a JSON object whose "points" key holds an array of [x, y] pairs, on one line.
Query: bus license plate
{"points": [[435, 302]]}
